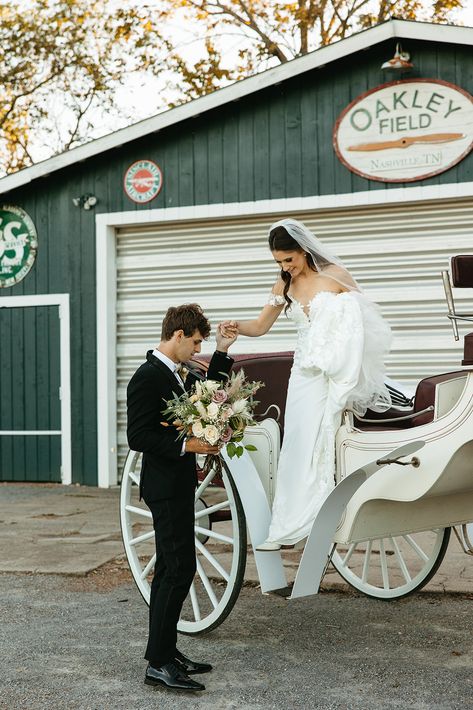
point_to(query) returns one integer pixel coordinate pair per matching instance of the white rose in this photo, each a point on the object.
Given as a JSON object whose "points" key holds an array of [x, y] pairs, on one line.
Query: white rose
{"points": [[194, 398], [197, 429], [239, 406], [211, 434], [212, 409], [201, 409]]}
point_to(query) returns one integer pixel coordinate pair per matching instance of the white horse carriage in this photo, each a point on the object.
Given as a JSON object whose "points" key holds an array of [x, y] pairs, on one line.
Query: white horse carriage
{"points": [[404, 479]]}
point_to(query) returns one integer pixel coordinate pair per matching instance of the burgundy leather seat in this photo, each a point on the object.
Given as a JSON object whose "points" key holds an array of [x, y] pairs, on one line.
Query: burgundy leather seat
{"points": [[274, 369], [424, 397]]}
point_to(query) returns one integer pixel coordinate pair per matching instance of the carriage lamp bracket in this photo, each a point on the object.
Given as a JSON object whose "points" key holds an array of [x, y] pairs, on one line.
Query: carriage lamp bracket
{"points": [[271, 406], [415, 462]]}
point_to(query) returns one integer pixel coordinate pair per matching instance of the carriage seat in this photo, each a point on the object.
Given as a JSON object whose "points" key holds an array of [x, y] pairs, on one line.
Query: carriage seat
{"points": [[425, 396]]}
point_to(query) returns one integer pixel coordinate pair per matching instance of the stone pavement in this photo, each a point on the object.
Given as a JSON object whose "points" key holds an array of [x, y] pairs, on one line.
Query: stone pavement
{"points": [[72, 530]]}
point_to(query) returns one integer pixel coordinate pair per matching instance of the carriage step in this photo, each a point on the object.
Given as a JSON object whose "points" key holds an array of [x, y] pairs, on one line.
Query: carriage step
{"points": [[284, 592]]}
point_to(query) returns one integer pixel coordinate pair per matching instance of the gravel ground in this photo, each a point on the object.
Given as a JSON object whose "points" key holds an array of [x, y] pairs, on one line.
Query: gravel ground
{"points": [[71, 643]]}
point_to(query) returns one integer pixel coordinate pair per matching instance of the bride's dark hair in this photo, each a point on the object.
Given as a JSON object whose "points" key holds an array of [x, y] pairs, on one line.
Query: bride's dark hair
{"points": [[280, 240]]}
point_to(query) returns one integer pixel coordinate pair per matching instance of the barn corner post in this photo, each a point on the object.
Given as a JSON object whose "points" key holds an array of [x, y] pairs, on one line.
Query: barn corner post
{"points": [[106, 353]]}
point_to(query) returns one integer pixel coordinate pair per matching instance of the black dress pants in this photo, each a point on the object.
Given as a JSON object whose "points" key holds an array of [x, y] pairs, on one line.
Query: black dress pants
{"points": [[173, 520]]}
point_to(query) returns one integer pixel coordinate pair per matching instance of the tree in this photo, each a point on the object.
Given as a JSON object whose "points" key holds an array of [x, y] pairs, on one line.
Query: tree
{"points": [[59, 61], [62, 61], [269, 33]]}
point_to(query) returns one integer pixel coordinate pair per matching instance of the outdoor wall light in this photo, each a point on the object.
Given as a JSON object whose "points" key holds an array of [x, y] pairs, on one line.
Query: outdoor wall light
{"points": [[85, 201], [399, 61]]}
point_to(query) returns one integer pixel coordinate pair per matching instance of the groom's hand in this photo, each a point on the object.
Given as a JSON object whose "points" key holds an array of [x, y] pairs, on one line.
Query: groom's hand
{"points": [[197, 446], [227, 333]]}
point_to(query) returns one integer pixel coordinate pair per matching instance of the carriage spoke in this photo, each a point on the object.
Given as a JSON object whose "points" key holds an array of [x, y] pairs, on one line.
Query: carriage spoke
{"points": [[213, 534], [366, 563], [207, 585], [417, 556], [134, 477], [400, 561], [212, 509], [215, 563], [142, 538], [138, 511], [195, 603], [207, 480], [415, 547], [350, 551], [148, 567], [384, 567]]}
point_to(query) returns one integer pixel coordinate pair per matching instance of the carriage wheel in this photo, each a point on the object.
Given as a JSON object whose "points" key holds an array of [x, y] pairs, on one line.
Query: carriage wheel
{"points": [[392, 567], [220, 540]]}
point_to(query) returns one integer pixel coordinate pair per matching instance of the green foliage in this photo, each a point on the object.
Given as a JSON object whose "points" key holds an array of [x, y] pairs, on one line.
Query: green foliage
{"points": [[66, 53], [270, 33]]}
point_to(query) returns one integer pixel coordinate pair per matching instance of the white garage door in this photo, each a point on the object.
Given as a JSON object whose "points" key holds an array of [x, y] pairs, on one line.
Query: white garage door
{"points": [[396, 252]]}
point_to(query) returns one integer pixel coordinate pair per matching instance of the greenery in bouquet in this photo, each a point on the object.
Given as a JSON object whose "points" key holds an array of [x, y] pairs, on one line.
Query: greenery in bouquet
{"points": [[217, 412]]}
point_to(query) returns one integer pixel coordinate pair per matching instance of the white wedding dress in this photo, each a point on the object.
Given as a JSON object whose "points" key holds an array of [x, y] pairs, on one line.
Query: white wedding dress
{"points": [[338, 362]]}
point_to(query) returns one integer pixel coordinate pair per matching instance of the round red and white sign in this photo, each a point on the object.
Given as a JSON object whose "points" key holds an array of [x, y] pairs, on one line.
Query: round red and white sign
{"points": [[143, 181]]}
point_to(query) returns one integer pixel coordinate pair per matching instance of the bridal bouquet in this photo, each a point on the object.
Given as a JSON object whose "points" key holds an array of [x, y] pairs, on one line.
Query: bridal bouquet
{"points": [[216, 412]]}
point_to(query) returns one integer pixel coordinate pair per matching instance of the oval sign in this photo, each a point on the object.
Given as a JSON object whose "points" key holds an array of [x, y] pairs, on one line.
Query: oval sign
{"points": [[18, 245], [143, 181], [406, 130]]}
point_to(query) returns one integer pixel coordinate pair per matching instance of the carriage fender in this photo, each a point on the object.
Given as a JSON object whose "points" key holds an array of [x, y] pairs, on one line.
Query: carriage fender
{"points": [[269, 565], [410, 484]]}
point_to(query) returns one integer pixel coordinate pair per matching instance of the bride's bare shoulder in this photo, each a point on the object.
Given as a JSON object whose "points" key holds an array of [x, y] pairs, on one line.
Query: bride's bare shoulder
{"points": [[341, 275], [278, 288]]}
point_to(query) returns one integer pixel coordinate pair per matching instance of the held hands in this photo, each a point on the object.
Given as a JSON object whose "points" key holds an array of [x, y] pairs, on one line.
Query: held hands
{"points": [[227, 333]]}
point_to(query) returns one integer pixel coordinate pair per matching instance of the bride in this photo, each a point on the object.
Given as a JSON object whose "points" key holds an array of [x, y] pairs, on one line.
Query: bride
{"points": [[342, 340]]}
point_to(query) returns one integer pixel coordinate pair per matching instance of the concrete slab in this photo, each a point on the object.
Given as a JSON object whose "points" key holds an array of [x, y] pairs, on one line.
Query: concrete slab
{"points": [[53, 529]]}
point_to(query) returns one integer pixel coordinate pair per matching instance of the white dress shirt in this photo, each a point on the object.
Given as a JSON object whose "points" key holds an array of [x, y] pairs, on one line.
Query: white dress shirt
{"points": [[173, 366]]}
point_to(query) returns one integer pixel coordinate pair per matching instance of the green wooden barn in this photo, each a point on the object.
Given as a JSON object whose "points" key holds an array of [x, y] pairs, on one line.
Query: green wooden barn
{"points": [[96, 243]]}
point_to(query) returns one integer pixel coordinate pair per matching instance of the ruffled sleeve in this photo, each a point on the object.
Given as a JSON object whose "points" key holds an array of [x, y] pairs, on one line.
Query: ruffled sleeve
{"points": [[348, 340], [275, 300], [334, 343]]}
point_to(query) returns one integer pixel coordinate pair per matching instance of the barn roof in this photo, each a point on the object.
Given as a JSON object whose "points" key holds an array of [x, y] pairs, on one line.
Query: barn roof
{"points": [[392, 29]]}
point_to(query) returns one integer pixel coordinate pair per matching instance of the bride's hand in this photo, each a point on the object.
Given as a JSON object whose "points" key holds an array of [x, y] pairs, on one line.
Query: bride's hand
{"points": [[228, 328]]}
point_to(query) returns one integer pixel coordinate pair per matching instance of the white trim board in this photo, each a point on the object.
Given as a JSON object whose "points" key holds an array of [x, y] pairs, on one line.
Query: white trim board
{"points": [[399, 195], [392, 29], [62, 301], [106, 225]]}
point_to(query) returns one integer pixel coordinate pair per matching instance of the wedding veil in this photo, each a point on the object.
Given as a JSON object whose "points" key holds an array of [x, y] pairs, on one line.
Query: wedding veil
{"points": [[321, 255], [370, 391]]}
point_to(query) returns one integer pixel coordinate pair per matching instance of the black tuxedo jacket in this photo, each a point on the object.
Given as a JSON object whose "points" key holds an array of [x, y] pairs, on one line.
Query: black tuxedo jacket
{"points": [[164, 472]]}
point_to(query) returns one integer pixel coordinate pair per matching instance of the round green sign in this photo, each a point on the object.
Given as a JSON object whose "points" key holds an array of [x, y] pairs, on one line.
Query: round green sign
{"points": [[18, 245]]}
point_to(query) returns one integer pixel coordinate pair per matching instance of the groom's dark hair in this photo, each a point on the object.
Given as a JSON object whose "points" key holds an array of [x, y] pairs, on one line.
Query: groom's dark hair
{"points": [[189, 318]]}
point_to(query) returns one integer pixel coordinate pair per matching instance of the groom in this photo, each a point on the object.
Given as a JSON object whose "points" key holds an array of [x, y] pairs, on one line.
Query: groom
{"points": [[168, 481]]}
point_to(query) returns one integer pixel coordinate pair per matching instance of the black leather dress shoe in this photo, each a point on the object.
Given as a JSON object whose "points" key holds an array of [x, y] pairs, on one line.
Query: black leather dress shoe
{"points": [[171, 676], [188, 666]]}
